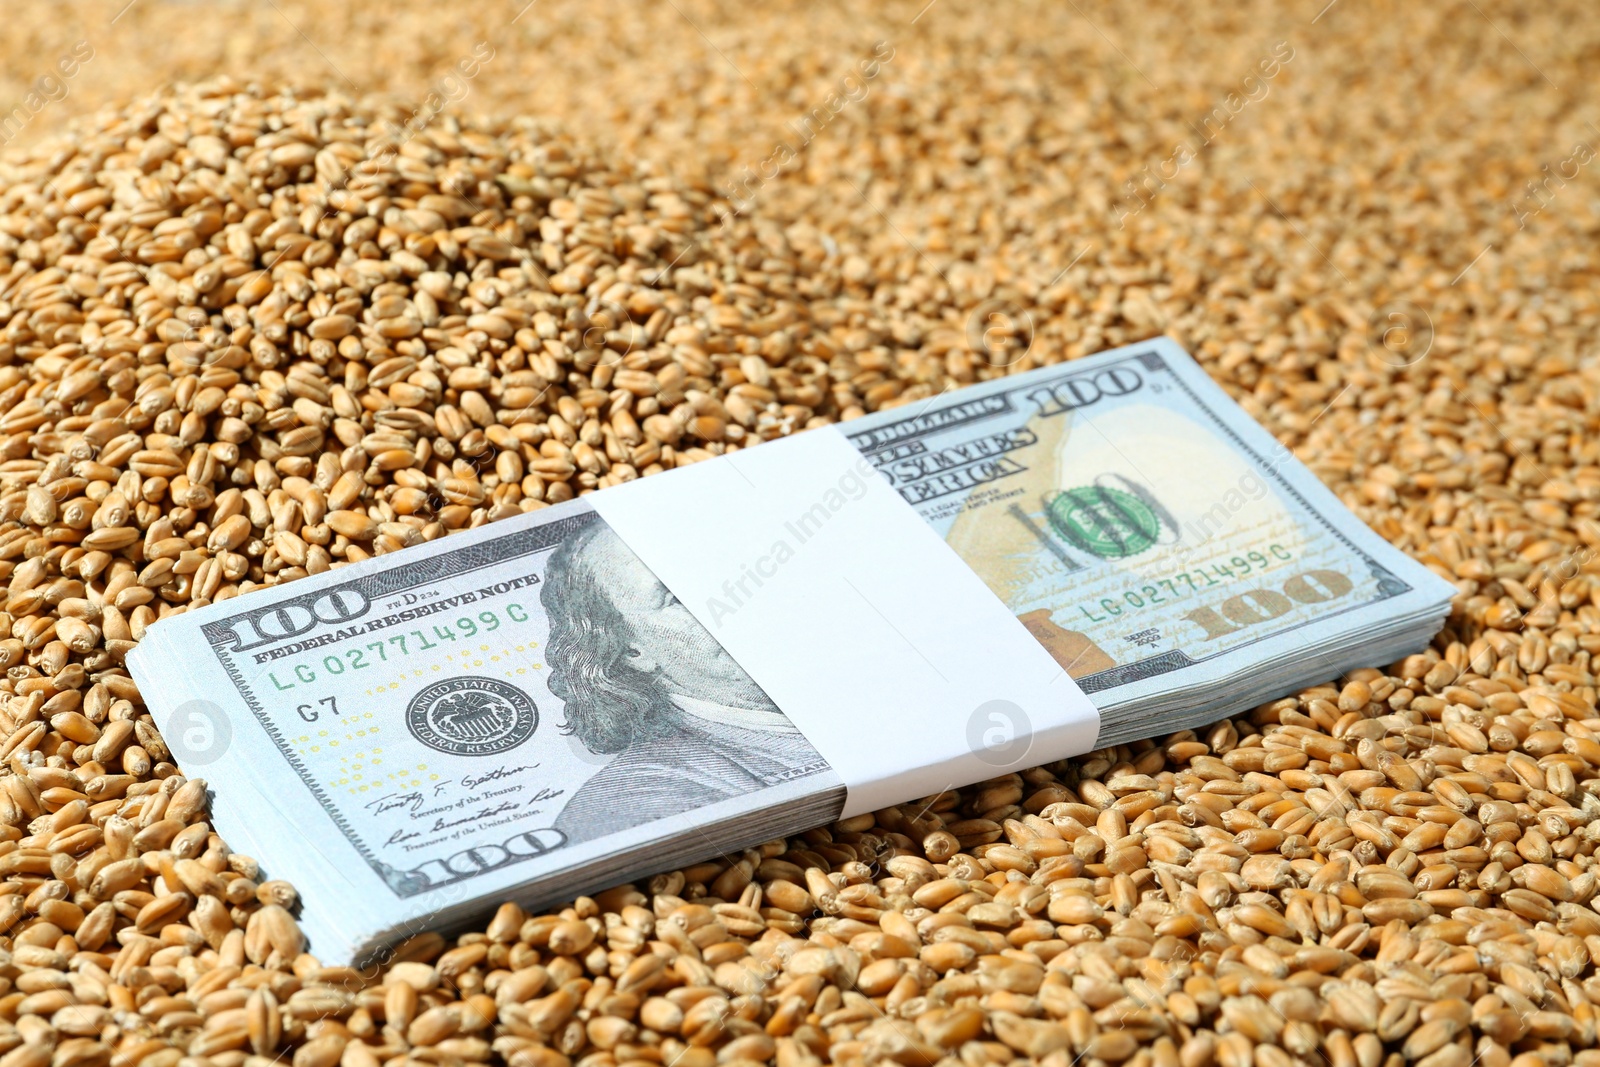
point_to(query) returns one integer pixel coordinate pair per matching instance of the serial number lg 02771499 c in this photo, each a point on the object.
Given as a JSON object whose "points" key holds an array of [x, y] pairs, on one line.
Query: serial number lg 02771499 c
{"points": [[398, 646], [1187, 583]]}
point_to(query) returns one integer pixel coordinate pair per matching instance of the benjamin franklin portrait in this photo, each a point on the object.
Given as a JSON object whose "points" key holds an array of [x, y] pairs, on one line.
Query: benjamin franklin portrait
{"points": [[641, 678]]}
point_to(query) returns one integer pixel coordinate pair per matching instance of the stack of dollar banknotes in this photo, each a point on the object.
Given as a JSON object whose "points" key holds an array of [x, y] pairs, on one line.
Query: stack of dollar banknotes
{"points": [[686, 665]]}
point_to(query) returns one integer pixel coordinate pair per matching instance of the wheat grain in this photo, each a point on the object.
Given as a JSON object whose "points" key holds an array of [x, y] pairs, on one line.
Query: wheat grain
{"points": [[235, 354]]}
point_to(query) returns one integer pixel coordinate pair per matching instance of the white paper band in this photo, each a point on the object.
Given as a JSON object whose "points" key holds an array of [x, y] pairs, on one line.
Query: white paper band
{"points": [[892, 657]]}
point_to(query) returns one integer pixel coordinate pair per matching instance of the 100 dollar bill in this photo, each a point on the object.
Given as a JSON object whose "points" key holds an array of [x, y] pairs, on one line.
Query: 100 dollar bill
{"points": [[1136, 520], [461, 712]]}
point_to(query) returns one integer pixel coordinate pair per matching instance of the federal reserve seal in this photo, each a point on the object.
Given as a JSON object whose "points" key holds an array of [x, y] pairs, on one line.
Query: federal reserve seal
{"points": [[471, 716]]}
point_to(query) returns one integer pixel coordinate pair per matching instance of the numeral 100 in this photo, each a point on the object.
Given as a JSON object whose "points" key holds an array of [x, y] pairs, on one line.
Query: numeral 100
{"points": [[1256, 606]]}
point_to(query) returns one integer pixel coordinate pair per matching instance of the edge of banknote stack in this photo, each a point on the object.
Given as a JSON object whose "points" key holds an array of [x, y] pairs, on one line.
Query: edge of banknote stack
{"points": [[998, 577]]}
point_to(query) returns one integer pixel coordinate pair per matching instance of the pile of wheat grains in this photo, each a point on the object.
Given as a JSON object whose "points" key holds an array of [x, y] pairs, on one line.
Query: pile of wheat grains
{"points": [[251, 334]]}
